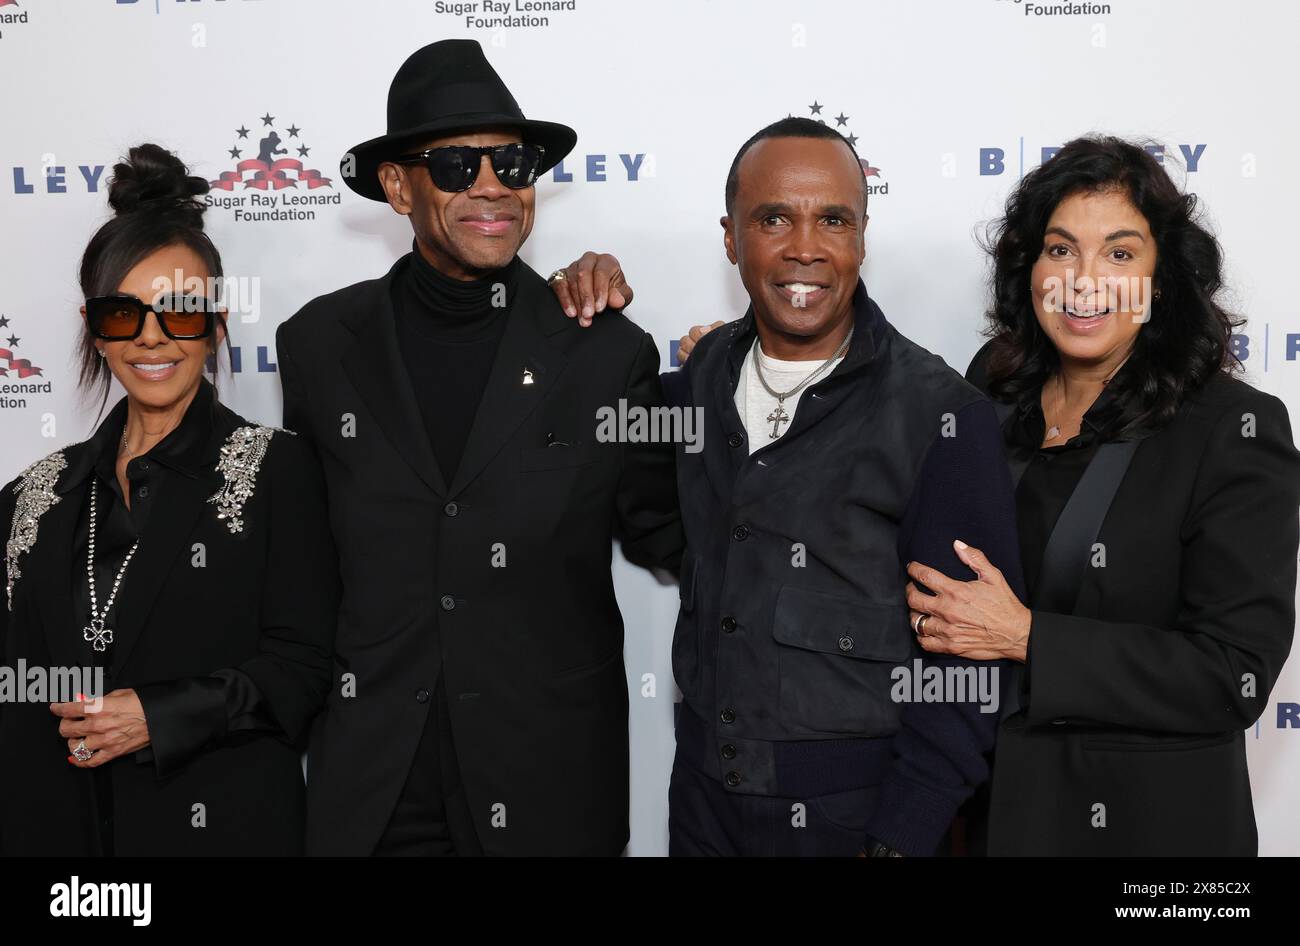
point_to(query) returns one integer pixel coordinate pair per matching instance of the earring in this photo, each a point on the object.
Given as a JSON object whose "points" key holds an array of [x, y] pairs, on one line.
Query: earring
{"points": [[101, 352], [1156, 295]]}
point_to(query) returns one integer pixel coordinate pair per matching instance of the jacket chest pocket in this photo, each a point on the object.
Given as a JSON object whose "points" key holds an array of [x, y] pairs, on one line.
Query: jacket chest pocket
{"points": [[836, 656], [554, 485], [559, 457], [1134, 741]]}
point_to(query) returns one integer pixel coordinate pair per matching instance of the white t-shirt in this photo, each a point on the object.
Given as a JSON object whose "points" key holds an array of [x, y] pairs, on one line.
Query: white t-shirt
{"points": [[757, 407]]}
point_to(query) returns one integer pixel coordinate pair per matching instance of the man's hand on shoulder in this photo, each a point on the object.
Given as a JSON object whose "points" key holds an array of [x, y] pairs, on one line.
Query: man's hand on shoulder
{"points": [[589, 284], [688, 341]]}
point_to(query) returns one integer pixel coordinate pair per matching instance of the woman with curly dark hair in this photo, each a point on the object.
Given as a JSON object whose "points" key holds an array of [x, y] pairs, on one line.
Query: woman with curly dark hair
{"points": [[1156, 503], [1156, 497]]}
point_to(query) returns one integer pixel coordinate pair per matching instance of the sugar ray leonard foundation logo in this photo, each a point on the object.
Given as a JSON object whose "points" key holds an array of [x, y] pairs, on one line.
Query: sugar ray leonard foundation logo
{"points": [[1049, 8], [19, 377], [502, 15], [11, 15], [270, 181], [840, 122]]}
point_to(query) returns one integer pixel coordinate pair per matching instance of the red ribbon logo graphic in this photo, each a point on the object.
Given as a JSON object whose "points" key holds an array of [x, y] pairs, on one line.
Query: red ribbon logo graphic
{"points": [[272, 176]]}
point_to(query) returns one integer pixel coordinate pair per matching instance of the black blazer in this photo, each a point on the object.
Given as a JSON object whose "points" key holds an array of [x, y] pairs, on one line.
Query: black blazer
{"points": [[1137, 699], [263, 602], [499, 580]]}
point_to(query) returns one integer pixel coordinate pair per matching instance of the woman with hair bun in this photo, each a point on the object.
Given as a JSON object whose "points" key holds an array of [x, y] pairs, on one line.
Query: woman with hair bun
{"points": [[182, 555]]}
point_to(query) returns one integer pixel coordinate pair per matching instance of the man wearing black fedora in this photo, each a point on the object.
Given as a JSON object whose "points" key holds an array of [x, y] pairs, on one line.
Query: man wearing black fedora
{"points": [[481, 702]]}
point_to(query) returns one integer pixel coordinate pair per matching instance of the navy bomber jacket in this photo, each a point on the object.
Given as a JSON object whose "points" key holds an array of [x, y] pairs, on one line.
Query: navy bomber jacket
{"points": [[793, 616]]}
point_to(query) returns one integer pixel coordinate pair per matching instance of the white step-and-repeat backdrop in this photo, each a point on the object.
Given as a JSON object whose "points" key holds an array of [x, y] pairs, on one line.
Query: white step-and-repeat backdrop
{"points": [[950, 101]]}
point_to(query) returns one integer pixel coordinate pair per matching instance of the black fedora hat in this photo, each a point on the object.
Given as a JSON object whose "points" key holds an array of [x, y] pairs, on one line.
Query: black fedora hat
{"points": [[447, 86]]}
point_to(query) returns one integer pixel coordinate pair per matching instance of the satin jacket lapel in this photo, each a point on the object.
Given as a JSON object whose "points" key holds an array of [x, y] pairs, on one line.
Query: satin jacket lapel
{"points": [[166, 537], [1066, 557], [507, 399], [374, 365]]}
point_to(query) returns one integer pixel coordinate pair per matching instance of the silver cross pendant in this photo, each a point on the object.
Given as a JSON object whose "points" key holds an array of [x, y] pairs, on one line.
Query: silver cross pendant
{"points": [[777, 417]]}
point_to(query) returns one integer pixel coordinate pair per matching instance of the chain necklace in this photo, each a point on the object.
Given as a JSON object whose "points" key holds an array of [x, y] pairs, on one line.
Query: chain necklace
{"points": [[779, 416], [1054, 430], [97, 632]]}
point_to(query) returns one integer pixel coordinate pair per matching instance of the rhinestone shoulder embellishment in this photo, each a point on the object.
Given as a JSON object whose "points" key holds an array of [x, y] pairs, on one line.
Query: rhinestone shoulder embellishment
{"points": [[241, 458], [35, 492]]}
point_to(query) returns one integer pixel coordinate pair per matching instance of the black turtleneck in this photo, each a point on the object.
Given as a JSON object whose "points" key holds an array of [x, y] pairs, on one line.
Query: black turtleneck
{"points": [[449, 331]]}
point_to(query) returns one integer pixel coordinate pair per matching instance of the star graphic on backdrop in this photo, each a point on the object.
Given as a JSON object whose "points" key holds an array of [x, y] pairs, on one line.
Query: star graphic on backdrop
{"points": [[241, 131], [234, 152], [268, 118], [13, 341], [302, 151], [293, 131], [841, 119], [853, 141], [4, 321], [815, 108]]}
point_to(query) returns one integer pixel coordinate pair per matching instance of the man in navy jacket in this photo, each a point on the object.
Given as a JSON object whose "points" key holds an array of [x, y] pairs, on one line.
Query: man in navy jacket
{"points": [[834, 452]]}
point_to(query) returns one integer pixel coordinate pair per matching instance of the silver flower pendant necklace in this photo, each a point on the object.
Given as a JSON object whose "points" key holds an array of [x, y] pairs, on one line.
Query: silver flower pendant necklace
{"points": [[97, 631]]}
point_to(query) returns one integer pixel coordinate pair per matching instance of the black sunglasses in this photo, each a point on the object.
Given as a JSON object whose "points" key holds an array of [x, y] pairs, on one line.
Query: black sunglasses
{"points": [[455, 168], [120, 318]]}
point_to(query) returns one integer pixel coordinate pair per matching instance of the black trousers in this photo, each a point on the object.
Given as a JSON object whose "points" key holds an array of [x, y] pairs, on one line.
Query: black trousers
{"points": [[432, 816], [706, 820]]}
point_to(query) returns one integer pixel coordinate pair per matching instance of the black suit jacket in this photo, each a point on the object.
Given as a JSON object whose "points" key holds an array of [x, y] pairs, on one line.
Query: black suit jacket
{"points": [[261, 601], [511, 560], [1137, 699]]}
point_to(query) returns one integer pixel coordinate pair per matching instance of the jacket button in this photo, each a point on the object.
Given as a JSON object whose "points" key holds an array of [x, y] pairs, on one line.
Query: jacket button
{"points": [[451, 509], [143, 492], [735, 440], [728, 624], [728, 751], [846, 645], [740, 533], [733, 778], [422, 695], [728, 716], [448, 603]]}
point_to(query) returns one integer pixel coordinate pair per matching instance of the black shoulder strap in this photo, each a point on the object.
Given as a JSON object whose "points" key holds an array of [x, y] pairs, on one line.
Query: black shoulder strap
{"points": [[1068, 549], [1065, 559], [1070, 544]]}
